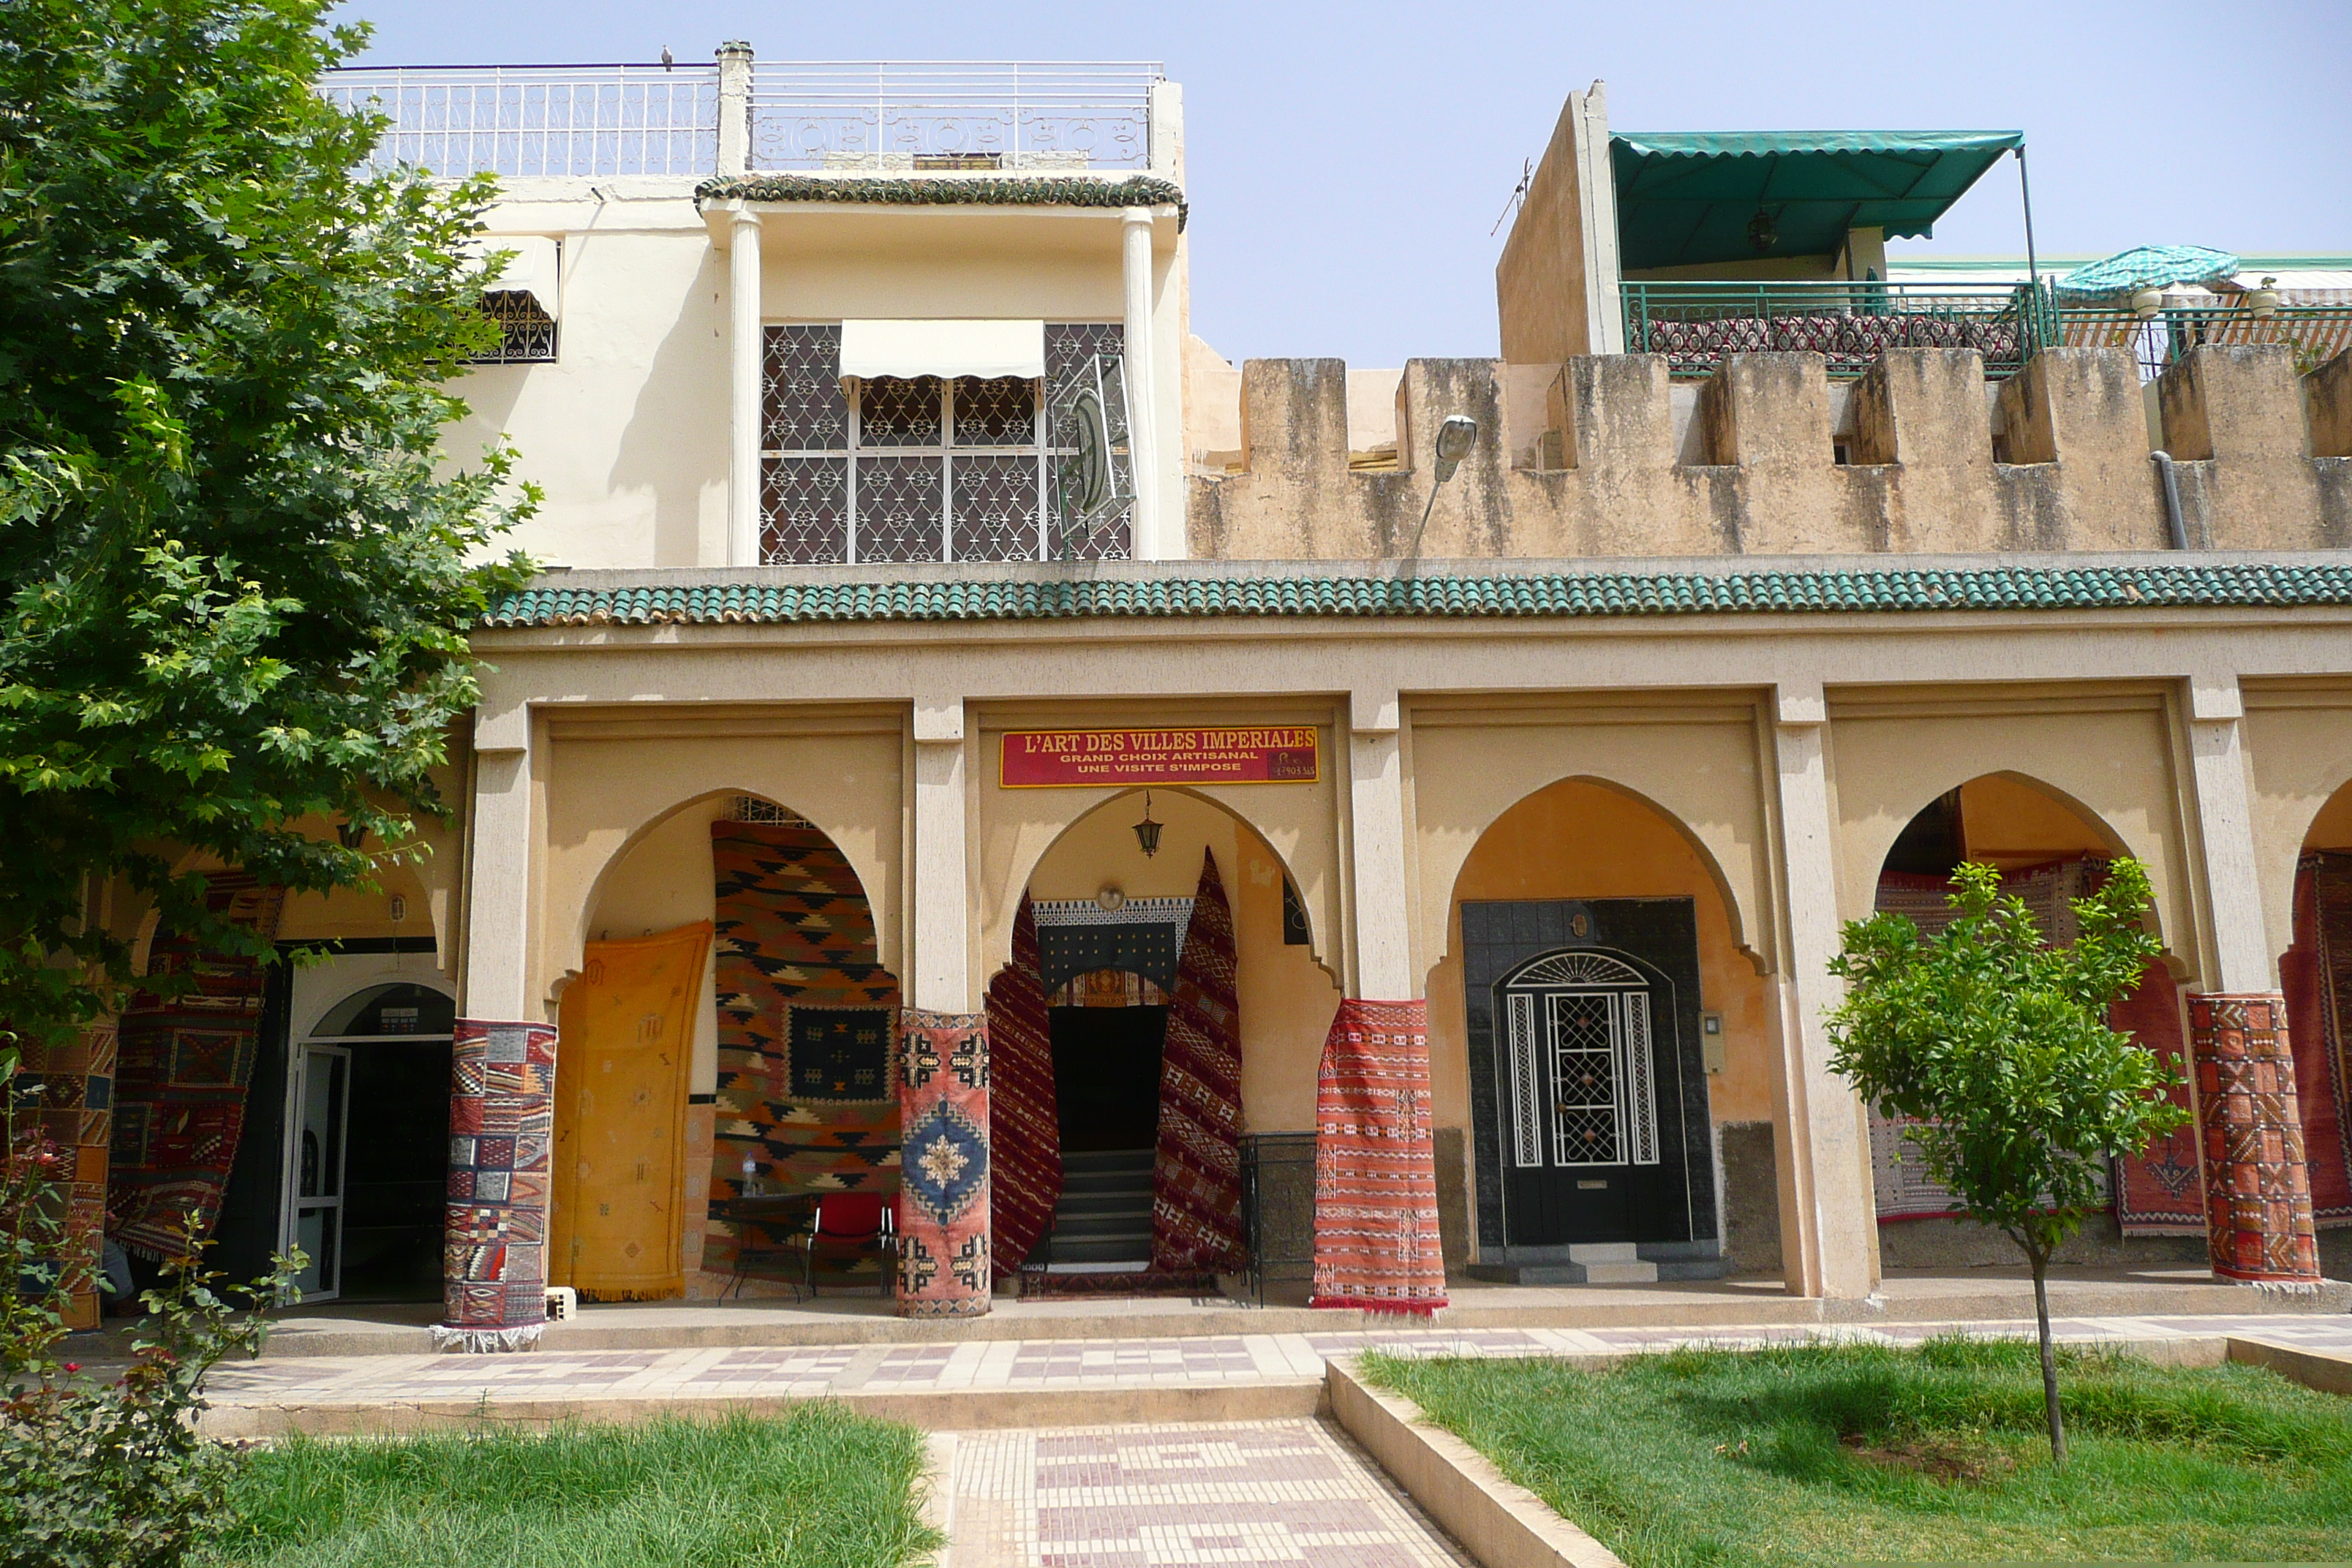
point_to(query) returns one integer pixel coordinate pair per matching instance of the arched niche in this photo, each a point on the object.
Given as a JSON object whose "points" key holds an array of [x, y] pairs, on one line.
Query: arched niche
{"points": [[2009, 820], [1287, 994], [662, 878]]}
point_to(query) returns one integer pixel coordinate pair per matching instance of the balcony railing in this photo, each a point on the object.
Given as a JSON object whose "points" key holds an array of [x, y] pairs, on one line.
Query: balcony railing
{"points": [[1697, 325], [894, 115], [2316, 333], [580, 120]]}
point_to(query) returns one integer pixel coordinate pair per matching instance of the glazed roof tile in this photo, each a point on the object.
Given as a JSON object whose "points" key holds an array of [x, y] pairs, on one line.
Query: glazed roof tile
{"points": [[781, 600]]}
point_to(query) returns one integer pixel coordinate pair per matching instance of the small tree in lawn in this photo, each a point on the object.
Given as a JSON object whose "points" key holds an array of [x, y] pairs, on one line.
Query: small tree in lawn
{"points": [[1997, 1046]]}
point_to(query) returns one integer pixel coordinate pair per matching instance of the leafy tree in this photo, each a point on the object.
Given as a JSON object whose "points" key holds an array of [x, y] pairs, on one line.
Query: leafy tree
{"points": [[237, 578], [1997, 1044]]}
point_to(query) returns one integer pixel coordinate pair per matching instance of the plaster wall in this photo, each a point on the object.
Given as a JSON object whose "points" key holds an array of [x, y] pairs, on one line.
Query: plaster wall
{"points": [[2299, 742], [1607, 464], [1540, 279], [626, 432]]}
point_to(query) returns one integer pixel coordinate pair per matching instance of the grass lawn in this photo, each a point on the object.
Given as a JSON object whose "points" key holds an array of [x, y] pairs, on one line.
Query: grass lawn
{"points": [[818, 1488], [1839, 1454]]}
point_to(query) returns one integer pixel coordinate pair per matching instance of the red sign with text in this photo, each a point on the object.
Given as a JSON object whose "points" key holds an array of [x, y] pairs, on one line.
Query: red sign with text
{"points": [[1046, 759]]}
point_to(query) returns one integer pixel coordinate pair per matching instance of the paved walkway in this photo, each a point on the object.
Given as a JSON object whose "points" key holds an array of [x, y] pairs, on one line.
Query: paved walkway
{"points": [[1047, 1366], [1253, 1492]]}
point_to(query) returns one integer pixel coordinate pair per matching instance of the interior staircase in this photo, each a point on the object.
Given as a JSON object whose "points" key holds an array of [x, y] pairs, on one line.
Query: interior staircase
{"points": [[1105, 1212]]}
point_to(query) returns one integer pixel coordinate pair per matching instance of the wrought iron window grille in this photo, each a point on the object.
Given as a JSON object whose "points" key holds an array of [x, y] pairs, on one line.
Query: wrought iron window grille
{"points": [[926, 468], [527, 334]]}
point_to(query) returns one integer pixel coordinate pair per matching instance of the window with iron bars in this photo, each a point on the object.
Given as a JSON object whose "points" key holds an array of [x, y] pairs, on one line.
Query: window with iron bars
{"points": [[930, 468], [525, 333]]}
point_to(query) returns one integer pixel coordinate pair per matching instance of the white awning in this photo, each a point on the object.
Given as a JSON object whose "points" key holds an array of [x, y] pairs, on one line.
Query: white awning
{"points": [[532, 269], [987, 349]]}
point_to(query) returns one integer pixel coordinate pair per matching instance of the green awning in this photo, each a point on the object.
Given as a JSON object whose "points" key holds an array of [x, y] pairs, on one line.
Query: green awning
{"points": [[1689, 197]]}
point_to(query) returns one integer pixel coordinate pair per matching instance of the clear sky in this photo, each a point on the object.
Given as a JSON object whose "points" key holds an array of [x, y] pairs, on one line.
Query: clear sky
{"points": [[1347, 161]]}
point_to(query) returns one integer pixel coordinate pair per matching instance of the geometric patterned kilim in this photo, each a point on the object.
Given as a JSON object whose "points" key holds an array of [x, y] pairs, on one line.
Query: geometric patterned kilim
{"points": [[1196, 1168], [77, 1081], [797, 958], [2259, 1223], [501, 1116], [2316, 974], [1025, 1135], [1376, 1236], [183, 1065]]}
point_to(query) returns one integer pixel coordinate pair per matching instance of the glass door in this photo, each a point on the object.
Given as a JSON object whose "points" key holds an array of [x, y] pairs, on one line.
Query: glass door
{"points": [[321, 1092]]}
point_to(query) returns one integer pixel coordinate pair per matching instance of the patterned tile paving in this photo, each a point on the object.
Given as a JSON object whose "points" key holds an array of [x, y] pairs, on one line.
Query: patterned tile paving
{"points": [[1072, 1365], [1262, 1492]]}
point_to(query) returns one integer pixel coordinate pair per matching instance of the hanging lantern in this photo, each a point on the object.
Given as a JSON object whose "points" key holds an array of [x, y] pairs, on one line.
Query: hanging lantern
{"points": [[1147, 832]]}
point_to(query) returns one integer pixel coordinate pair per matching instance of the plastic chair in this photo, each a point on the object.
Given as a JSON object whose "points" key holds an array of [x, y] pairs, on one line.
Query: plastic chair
{"points": [[854, 1221]]}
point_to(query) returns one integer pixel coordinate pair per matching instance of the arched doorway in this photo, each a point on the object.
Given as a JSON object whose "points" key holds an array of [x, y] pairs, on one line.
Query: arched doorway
{"points": [[790, 1068], [366, 1160], [1174, 988], [2050, 851], [2315, 976], [1614, 1037]]}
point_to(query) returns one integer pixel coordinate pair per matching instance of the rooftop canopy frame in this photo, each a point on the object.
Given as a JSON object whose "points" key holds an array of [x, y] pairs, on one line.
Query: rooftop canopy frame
{"points": [[1697, 198]]}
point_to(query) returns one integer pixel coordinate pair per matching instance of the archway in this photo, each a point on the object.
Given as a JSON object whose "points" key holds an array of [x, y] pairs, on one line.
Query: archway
{"points": [[1593, 1022], [1120, 932], [2316, 976], [2051, 850], [789, 1082]]}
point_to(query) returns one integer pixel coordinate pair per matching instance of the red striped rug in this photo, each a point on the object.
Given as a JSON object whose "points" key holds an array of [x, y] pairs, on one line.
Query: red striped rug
{"points": [[1196, 1170], [2317, 975], [1376, 1242], [1025, 1141]]}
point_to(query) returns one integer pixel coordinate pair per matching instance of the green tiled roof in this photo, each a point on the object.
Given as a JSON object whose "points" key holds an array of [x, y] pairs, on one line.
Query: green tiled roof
{"points": [[1596, 594], [916, 191]]}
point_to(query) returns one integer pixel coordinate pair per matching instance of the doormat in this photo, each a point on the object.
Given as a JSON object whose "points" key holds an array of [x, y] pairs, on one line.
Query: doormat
{"points": [[795, 936], [1037, 1283], [1376, 1239], [1025, 1143], [182, 1071], [1196, 1169]]}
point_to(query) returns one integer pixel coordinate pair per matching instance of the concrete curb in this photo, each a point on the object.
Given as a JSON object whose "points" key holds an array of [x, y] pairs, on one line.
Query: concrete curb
{"points": [[1493, 1518], [942, 1411], [2329, 1372]]}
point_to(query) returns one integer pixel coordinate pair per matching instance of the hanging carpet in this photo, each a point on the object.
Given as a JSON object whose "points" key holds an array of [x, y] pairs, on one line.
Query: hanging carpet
{"points": [[2161, 1190], [1196, 1168], [628, 1026], [808, 1027], [1025, 1135], [1376, 1240], [183, 1066], [944, 1269], [2317, 975]]}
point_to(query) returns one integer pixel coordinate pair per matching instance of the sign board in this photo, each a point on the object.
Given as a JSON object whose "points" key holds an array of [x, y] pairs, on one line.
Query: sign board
{"points": [[1048, 759]]}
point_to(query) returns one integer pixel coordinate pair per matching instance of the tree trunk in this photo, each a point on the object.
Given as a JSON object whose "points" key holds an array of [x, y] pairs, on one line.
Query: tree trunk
{"points": [[2040, 1261]]}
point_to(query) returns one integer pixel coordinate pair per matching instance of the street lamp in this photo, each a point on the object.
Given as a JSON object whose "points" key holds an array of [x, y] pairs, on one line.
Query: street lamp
{"points": [[1455, 438]]}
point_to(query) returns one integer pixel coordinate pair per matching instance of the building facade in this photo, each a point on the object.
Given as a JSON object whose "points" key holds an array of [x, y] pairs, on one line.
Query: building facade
{"points": [[1159, 819]]}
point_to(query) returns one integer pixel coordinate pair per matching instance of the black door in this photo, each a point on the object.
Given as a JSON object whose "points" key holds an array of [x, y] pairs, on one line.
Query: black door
{"points": [[1590, 1097]]}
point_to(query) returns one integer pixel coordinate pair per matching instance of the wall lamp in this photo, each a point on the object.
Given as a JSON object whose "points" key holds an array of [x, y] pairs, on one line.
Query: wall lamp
{"points": [[1147, 832]]}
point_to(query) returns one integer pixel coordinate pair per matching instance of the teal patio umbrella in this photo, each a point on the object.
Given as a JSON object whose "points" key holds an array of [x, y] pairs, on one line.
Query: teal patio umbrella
{"points": [[2147, 267]]}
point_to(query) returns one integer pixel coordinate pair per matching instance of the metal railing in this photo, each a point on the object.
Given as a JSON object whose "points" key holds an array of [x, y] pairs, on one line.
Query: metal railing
{"points": [[2316, 333], [1697, 325], [892, 115], [580, 120]]}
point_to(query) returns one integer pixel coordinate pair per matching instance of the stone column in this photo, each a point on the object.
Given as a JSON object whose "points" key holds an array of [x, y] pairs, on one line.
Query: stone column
{"points": [[1826, 1215], [2259, 1222], [1142, 431], [747, 345], [1383, 967], [734, 107], [939, 916], [499, 923]]}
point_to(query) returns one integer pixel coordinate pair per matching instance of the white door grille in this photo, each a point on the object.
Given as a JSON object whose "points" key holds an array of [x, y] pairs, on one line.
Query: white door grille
{"points": [[1588, 1063]]}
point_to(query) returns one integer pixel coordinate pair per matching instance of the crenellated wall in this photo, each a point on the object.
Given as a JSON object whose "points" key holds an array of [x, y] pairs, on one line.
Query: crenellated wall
{"points": [[1771, 458]]}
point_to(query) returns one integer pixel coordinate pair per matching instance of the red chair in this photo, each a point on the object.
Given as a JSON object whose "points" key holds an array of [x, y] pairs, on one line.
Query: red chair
{"points": [[853, 1221]]}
